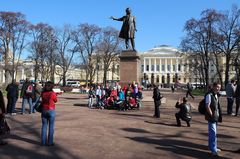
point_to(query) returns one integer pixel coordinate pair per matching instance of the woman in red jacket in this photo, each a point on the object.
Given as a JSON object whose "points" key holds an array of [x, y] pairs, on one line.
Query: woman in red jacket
{"points": [[49, 98]]}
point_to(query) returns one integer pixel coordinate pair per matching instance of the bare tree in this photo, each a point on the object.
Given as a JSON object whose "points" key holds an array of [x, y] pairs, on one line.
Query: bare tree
{"points": [[13, 32], [199, 36], [227, 37], [86, 38], [108, 49], [42, 49], [66, 50]]}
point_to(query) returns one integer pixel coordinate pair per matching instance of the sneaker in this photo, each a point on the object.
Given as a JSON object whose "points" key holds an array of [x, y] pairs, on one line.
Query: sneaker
{"points": [[215, 154], [219, 150], [13, 114]]}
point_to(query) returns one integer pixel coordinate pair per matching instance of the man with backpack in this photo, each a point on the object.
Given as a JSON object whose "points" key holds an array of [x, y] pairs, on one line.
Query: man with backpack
{"points": [[27, 93], [213, 116]]}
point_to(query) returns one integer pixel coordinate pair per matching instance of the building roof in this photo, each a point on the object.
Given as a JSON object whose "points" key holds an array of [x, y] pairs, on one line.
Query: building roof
{"points": [[162, 50]]}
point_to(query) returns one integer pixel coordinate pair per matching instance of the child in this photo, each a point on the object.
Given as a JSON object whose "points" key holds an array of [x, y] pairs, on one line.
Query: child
{"points": [[90, 97]]}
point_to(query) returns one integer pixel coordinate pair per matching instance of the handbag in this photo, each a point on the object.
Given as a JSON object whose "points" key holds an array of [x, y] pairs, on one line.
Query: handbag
{"points": [[38, 107], [4, 128]]}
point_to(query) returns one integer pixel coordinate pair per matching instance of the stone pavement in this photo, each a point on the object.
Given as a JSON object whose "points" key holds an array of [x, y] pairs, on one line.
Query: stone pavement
{"points": [[82, 133]]}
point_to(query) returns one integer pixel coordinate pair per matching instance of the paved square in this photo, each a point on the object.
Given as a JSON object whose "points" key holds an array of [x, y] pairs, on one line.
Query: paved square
{"points": [[82, 133]]}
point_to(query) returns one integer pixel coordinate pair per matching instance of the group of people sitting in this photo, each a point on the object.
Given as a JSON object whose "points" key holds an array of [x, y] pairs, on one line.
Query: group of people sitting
{"points": [[128, 97]]}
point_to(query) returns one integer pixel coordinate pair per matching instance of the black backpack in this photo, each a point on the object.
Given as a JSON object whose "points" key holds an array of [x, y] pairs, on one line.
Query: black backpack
{"points": [[202, 106]]}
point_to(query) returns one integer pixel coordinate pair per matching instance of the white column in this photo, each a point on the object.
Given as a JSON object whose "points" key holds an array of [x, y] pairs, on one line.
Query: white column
{"points": [[3, 79], [155, 65], [22, 76], [176, 65], [166, 65], [32, 72], [150, 65], [160, 65]]}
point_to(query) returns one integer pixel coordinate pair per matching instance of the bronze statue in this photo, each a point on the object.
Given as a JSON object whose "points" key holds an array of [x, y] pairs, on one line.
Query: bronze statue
{"points": [[128, 28]]}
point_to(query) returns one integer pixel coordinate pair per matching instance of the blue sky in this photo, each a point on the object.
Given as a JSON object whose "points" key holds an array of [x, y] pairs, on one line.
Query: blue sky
{"points": [[159, 22]]}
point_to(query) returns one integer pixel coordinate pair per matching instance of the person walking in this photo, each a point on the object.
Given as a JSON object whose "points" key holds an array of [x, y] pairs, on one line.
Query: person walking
{"points": [[230, 93], [12, 96], [213, 115], [189, 90], [157, 101], [2, 115], [26, 95], [49, 98], [184, 112]]}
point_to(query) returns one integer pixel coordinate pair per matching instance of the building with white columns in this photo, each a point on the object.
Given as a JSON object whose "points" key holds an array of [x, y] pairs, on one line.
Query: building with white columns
{"points": [[162, 65]]}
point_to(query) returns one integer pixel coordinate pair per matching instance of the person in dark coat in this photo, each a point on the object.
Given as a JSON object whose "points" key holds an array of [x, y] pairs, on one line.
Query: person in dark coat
{"points": [[2, 114], [128, 28], [12, 96], [184, 112], [157, 101]]}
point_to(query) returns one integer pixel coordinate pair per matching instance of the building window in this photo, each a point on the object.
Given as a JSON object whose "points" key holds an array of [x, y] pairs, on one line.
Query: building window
{"points": [[163, 67], [147, 68], [169, 67], [152, 68], [158, 68], [142, 68], [173, 67]]}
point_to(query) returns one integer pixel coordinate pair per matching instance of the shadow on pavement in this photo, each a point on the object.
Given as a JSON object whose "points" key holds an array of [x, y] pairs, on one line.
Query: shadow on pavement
{"points": [[135, 130], [12, 151], [178, 147], [162, 123]]}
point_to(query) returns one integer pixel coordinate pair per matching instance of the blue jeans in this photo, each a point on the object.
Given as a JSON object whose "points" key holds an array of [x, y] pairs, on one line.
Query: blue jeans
{"points": [[24, 101], [35, 102], [90, 102], [48, 118], [212, 136]]}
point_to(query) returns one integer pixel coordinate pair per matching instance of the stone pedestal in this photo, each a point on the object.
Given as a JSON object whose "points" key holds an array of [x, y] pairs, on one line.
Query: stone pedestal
{"points": [[129, 67]]}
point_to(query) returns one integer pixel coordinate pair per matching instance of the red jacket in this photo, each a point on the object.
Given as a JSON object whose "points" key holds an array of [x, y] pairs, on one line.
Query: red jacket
{"points": [[48, 100]]}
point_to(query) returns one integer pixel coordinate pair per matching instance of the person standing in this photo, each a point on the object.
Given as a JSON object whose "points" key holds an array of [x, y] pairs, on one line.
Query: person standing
{"points": [[12, 96], [49, 98], [90, 97], [237, 96], [230, 93], [157, 101], [37, 94], [26, 95], [128, 28], [2, 115], [99, 96], [213, 115], [184, 112]]}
